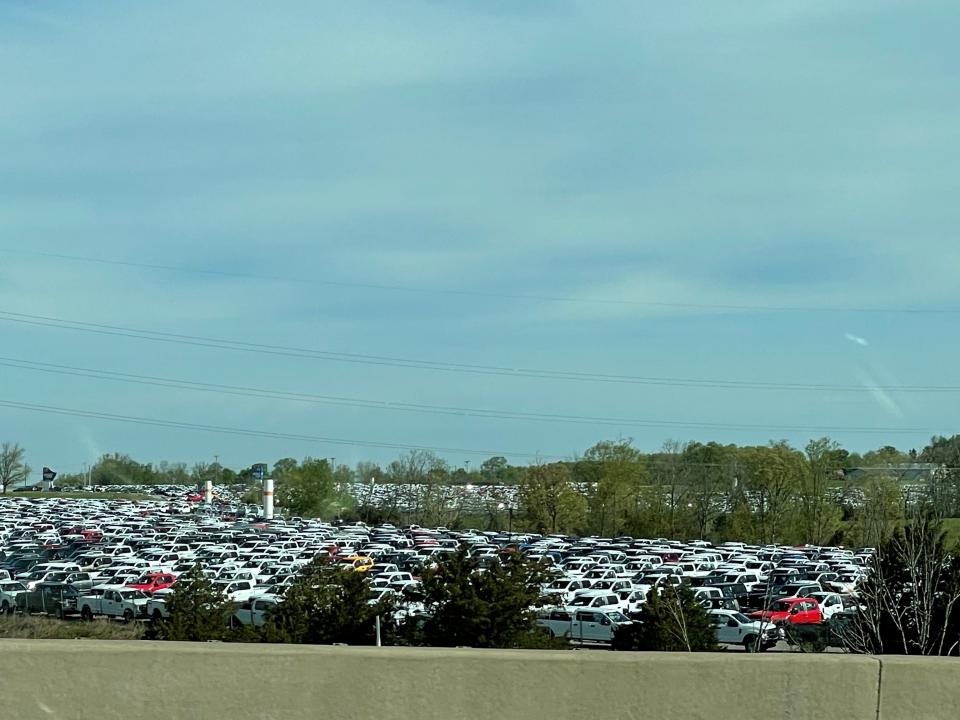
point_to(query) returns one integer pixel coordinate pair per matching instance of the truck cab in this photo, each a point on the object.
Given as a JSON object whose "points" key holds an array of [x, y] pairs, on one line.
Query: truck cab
{"points": [[796, 611], [734, 628]]}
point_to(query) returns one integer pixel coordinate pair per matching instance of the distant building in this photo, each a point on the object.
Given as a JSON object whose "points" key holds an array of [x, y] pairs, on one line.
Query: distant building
{"points": [[905, 473]]}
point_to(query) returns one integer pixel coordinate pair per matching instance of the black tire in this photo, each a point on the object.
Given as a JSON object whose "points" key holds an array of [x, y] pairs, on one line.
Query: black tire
{"points": [[6, 609], [127, 615], [87, 614], [59, 614], [157, 615], [235, 623], [750, 644]]}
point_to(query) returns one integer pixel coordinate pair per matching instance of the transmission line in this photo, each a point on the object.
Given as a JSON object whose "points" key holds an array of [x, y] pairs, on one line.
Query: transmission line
{"points": [[245, 391], [180, 425], [443, 366]]}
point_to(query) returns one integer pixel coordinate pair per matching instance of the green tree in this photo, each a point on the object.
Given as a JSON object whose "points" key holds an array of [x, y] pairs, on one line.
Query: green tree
{"points": [[309, 490], [942, 451], [173, 473], [118, 469], [550, 500], [878, 512], [769, 477], [670, 619], [73, 481], [371, 507], [343, 477], [667, 504], [497, 471], [710, 470], [884, 457], [945, 452], [819, 515], [284, 467], [620, 476], [202, 472], [13, 469], [198, 611], [329, 605], [482, 609]]}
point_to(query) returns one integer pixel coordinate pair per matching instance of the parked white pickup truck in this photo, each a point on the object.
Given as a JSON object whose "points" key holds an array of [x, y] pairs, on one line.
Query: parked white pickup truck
{"points": [[9, 591], [735, 628], [582, 625], [253, 611], [117, 602], [830, 603], [156, 607]]}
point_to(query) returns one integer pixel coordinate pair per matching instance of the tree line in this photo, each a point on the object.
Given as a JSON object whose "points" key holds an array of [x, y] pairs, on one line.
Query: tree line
{"points": [[772, 493]]}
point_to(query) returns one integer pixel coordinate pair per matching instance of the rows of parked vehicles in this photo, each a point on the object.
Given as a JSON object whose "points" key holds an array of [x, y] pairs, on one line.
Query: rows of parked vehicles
{"points": [[754, 593], [121, 559]]}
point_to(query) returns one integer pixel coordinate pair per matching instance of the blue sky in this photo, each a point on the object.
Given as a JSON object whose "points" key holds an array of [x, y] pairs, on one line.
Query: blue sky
{"points": [[660, 163]]}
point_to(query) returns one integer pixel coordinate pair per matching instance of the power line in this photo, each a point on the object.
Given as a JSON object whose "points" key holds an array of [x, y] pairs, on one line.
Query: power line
{"points": [[245, 391], [443, 366], [477, 293], [180, 425]]}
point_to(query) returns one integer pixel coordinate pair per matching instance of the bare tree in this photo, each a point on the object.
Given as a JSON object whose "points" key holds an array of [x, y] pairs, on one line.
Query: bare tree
{"points": [[12, 467], [908, 602], [676, 612]]}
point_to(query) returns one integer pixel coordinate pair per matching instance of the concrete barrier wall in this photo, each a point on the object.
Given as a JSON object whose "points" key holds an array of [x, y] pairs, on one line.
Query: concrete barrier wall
{"points": [[68, 680], [918, 688]]}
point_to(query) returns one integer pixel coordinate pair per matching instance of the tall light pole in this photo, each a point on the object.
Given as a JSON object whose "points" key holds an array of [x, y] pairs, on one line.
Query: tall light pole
{"points": [[333, 470]]}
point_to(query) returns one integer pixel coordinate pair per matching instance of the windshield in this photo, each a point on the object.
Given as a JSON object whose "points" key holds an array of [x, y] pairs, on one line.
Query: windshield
{"points": [[618, 617]]}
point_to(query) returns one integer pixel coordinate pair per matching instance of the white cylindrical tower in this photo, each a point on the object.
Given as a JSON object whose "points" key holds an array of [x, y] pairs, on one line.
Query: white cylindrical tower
{"points": [[208, 495], [268, 498]]}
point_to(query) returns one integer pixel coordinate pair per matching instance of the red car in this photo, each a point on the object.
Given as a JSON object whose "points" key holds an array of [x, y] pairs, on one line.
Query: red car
{"points": [[151, 582], [795, 610]]}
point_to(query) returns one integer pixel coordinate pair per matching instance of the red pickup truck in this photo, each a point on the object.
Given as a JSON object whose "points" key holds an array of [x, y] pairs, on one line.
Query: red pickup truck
{"points": [[151, 582], [795, 610]]}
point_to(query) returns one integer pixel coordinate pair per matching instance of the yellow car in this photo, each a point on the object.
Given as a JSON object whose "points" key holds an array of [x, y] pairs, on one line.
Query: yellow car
{"points": [[360, 563]]}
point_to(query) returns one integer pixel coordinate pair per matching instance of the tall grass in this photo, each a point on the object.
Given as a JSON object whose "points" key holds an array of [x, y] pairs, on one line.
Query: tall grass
{"points": [[42, 628]]}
